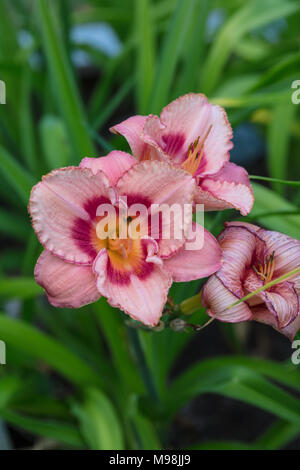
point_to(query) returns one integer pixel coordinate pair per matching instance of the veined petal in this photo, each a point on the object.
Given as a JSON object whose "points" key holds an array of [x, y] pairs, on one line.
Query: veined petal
{"points": [[292, 329], [286, 250], [216, 297], [135, 296], [238, 245], [230, 188], [114, 165], [182, 122], [187, 265], [283, 300], [62, 207], [170, 189], [132, 129], [67, 285]]}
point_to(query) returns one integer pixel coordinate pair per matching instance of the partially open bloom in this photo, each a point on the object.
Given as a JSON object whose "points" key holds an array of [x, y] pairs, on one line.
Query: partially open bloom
{"points": [[253, 257], [195, 135], [78, 265]]}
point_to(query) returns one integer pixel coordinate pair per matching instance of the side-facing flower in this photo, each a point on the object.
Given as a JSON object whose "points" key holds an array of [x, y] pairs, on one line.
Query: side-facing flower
{"points": [[195, 135], [79, 265], [253, 257]]}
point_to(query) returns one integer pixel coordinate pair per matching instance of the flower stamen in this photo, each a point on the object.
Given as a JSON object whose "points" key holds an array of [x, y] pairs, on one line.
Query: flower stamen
{"points": [[266, 271], [195, 154]]}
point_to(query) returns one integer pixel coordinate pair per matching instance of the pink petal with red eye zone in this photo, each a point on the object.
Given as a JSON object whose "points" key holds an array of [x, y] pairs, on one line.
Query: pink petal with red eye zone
{"points": [[216, 298], [114, 165], [58, 202], [132, 129], [187, 265], [67, 285], [161, 183], [135, 296], [229, 188], [187, 118]]}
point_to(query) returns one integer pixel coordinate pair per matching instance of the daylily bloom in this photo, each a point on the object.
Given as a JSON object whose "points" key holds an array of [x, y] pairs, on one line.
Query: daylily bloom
{"points": [[78, 266], [195, 135], [253, 257]]}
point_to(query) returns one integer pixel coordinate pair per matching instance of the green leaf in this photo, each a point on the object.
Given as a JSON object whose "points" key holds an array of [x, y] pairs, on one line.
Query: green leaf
{"points": [[171, 50], [13, 225], [266, 200], [56, 430], [15, 175], [55, 142], [64, 84], [145, 52], [99, 422], [9, 385], [253, 14], [213, 374], [23, 288], [112, 324], [224, 445], [262, 394], [278, 435], [28, 340], [278, 142]]}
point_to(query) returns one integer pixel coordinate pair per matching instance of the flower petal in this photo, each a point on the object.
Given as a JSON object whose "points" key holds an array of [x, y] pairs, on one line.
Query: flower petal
{"points": [[167, 187], [62, 207], [67, 285], [132, 129], [238, 245], [187, 265], [216, 298], [286, 250], [229, 188], [135, 296], [114, 165], [284, 301], [292, 329], [185, 119]]}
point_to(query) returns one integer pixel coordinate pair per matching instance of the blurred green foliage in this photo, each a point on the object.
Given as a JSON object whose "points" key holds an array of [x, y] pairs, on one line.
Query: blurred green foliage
{"points": [[72, 376]]}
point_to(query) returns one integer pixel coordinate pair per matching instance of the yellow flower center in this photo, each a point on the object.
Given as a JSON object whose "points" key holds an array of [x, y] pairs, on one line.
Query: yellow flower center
{"points": [[266, 271], [195, 154]]}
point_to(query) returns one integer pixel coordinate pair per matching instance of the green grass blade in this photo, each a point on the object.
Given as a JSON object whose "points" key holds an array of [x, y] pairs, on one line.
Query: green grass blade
{"points": [[265, 201], [278, 142], [253, 14], [23, 288], [61, 432], [64, 84], [99, 422], [171, 50], [145, 43], [16, 176], [55, 142], [28, 340]]}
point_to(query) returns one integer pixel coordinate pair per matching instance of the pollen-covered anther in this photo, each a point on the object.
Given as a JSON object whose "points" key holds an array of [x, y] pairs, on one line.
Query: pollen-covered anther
{"points": [[195, 154], [266, 271]]}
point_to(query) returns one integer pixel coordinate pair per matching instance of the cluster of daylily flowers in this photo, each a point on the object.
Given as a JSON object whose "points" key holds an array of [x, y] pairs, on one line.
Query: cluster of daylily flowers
{"points": [[179, 158]]}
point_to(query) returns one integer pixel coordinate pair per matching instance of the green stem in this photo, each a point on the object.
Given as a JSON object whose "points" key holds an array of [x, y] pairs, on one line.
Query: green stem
{"points": [[145, 372], [275, 180], [191, 305]]}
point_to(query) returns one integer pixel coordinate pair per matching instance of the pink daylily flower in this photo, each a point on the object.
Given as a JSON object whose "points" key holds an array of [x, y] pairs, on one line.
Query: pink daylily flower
{"points": [[252, 257], [134, 274], [195, 135]]}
